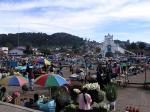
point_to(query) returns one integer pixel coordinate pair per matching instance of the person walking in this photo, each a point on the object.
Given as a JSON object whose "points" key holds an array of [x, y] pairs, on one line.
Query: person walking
{"points": [[71, 68], [100, 72], [60, 69], [31, 80], [115, 70], [2, 93]]}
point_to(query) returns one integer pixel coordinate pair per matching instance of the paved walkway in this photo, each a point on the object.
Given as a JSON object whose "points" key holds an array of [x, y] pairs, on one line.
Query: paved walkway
{"points": [[6, 107], [134, 95]]}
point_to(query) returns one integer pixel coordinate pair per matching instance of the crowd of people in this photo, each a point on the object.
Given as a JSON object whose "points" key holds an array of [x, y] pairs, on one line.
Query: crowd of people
{"points": [[105, 72], [110, 70]]}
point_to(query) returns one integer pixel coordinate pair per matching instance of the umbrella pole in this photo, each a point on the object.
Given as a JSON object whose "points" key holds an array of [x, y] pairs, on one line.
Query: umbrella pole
{"points": [[49, 92]]}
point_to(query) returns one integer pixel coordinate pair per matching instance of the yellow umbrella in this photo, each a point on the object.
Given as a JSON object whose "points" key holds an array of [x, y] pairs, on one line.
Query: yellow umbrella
{"points": [[4, 81], [17, 74], [47, 62]]}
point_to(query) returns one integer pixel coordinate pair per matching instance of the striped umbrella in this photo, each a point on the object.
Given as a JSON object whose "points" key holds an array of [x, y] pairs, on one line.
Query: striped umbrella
{"points": [[13, 81], [50, 80]]}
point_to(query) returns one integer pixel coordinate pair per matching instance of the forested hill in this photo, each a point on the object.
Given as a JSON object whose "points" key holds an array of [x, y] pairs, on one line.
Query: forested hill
{"points": [[40, 39]]}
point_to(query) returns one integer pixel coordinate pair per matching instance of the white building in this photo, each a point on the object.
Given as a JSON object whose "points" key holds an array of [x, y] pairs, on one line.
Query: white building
{"points": [[16, 52], [109, 46], [4, 49]]}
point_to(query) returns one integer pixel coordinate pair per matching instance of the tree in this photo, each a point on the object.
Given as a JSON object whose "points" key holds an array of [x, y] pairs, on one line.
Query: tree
{"points": [[45, 51], [28, 50], [75, 49], [142, 45], [9, 45], [41, 39], [133, 46], [98, 50]]}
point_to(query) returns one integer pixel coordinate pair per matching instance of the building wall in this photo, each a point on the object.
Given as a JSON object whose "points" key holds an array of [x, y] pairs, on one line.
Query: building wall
{"points": [[4, 49], [16, 52], [109, 46]]}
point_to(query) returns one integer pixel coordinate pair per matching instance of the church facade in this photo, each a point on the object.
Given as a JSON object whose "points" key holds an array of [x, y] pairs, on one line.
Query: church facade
{"points": [[109, 47]]}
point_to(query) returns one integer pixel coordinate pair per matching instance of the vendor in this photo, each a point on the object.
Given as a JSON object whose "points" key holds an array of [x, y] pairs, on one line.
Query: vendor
{"points": [[84, 100]]}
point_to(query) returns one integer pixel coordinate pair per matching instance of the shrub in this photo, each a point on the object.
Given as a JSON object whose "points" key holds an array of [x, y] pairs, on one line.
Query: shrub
{"points": [[94, 90], [96, 95], [100, 107], [92, 86], [111, 92], [70, 108], [63, 98], [101, 95]]}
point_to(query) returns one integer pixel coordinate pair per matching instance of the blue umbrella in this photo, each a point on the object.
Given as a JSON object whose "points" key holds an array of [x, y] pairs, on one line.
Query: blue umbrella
{"points": [[41, 60]]}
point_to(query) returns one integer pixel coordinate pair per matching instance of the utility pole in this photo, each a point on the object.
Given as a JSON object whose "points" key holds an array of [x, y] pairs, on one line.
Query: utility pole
{"points": [[18, 39], [18, 35]]}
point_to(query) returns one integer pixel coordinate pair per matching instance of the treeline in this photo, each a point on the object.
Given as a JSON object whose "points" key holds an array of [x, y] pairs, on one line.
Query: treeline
{"points": [[135, 46], [40, 40]]}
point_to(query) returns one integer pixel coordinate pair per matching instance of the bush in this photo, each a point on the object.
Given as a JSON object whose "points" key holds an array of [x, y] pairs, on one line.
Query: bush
{"points": [[74, 95], [96, 95], [94, 90], [63, 98], [100, 97], [92, 86], [100, 107], [111, 92], [70, 108], [93, 94]]}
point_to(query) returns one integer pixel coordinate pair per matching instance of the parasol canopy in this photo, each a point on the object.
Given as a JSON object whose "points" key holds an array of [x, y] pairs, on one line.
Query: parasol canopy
{"points": [[50, 80], [42, 60], [13, 81]]}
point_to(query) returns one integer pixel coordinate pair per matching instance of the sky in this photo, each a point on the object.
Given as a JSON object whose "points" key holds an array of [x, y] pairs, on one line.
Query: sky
{"points": [[124, 19]]}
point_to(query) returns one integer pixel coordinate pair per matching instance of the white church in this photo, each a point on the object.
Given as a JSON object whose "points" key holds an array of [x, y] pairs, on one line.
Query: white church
{"points": [[108, 46]]}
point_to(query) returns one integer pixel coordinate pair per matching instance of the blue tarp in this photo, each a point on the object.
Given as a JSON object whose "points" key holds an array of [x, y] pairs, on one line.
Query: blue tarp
{"points": [[12, 63], [47, 107], [23, 67]]}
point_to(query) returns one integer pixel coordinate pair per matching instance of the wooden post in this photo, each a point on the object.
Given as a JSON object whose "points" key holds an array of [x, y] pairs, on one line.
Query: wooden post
{"points": [[145, 81], [145, 75], [49, 88]]}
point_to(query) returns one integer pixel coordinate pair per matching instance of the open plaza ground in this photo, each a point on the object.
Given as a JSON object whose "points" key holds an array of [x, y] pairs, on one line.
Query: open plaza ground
{"points": [[134, 95]]}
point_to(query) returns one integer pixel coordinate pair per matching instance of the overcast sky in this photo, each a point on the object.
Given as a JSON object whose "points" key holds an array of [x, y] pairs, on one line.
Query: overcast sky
{"points": [[125, 19]]}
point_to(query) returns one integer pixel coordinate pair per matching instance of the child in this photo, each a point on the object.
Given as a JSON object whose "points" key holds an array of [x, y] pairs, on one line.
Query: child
{"points": [[25, 101], [22, 102], [24, 88]]}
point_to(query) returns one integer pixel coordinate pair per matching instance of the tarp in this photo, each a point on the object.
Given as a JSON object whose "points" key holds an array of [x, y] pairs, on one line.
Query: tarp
{"points": [[23, 67], [12, 63]]}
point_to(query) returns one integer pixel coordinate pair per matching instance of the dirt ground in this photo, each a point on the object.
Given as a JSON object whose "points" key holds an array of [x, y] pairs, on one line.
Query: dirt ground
{"points": [[132, 95]]}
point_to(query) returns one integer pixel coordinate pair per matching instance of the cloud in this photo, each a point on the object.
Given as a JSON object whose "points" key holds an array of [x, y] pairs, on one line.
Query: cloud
{"points": [[139, 10], [91, 18]]}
